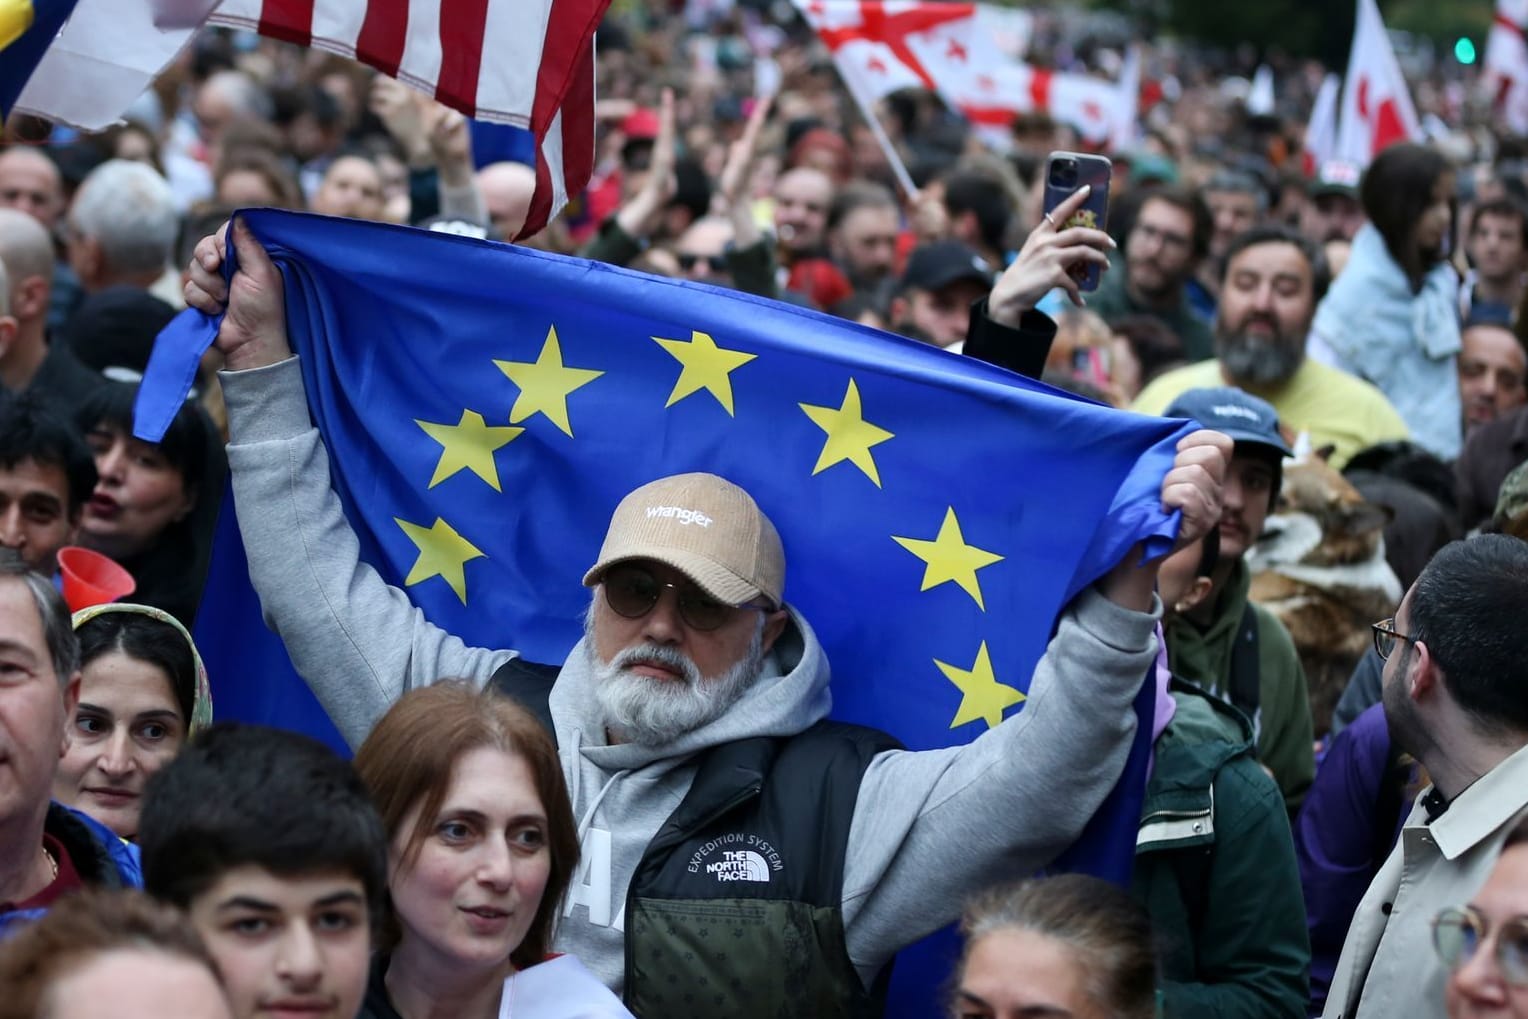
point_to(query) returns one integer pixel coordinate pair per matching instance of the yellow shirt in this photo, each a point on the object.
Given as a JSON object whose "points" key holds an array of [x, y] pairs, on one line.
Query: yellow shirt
{"points": [[1334, 407]]}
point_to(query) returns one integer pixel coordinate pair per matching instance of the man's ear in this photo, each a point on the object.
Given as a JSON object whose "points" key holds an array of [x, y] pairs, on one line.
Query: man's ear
{"points": [[71, 701], [896, 312], [8, 329], [1195, 595], [30, 298], [1422, 678], [774, 625]]}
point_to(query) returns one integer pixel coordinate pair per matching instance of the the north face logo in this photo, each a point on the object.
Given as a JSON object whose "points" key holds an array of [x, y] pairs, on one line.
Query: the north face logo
{"points": [[741, 865]]}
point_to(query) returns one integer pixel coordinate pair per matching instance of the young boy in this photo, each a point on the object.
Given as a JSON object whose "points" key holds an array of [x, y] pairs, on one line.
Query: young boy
{"points": [[268, 840]]}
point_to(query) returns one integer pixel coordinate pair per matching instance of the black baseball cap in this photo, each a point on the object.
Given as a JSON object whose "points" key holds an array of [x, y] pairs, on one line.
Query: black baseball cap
{"points": [[935, 266]]}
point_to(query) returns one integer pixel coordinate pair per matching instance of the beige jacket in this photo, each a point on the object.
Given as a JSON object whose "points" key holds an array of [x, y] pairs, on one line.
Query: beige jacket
{"points": [[1388, 967]]}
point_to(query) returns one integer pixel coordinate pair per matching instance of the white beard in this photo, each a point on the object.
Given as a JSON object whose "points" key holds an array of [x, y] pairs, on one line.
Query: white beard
{"points": [[653, 712]]}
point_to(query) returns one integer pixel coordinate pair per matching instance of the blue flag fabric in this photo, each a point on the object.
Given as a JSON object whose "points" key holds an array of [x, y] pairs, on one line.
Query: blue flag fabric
{"points": [[485, 407], [21, 53]]}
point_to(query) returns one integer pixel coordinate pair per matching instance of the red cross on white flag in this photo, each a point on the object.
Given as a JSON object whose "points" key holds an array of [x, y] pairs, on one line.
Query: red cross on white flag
{"points": [[1506, 65], [1376, 107]]}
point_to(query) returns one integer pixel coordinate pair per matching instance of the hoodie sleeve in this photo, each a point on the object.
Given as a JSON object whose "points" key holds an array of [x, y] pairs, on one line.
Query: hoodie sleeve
{"points": [[932, 827], [357, 642]]}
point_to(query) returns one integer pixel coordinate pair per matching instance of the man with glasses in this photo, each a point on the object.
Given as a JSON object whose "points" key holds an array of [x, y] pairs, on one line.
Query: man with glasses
{"points": [[1170, 237], [1455, 690], [741, 854]]}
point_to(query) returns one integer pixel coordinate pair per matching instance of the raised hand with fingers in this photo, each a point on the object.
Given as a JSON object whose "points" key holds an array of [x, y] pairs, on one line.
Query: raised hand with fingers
{"points": [[253, 332], [1046, 262]]}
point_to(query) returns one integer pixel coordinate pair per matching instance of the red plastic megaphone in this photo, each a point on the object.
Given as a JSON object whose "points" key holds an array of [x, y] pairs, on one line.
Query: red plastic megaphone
{"points": [[91, 578]]}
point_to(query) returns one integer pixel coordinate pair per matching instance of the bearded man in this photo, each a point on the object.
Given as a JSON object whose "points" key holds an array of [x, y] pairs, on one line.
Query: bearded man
{"points": [[1272, 281], [737, 847]]}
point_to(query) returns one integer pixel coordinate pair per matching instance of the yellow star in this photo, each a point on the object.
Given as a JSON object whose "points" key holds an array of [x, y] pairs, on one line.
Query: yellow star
{"points": [[545, 384], [950, 558], [15, 18], [470, 444], [982, 696], [706, 366], [850, 436], [442, 553]]}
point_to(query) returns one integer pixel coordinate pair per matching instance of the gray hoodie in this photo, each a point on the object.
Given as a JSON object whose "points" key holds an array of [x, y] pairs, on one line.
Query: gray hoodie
{"points": [[929, 828]]}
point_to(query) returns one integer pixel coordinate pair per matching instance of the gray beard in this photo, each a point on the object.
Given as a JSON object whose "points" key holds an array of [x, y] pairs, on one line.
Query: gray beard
{"points": [[1258, 362], [655, 712]]}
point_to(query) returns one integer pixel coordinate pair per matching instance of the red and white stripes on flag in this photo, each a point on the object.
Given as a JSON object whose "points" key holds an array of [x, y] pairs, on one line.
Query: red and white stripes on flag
{"points": [[524, 62], [1506, 64]]}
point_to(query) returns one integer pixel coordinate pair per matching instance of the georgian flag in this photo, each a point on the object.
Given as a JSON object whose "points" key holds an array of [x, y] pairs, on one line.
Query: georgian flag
{"points": [[1506, 64], [1376, 109]]}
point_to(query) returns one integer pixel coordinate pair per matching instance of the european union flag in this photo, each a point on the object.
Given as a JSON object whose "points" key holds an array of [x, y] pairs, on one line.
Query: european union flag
{"points": [[486, 406], [27, 29]]}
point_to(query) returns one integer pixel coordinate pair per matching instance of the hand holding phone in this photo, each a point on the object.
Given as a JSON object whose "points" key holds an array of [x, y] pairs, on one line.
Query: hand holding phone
{"points": [[1066, 173], [1054, 255]]}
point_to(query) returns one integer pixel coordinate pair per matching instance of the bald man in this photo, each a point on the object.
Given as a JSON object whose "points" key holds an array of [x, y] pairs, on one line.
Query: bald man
{"points": [[506, 189], [28, 362]]}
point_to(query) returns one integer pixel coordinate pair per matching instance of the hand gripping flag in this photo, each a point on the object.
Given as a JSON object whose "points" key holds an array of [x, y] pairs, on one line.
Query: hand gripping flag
{"points": [[486, 406]]}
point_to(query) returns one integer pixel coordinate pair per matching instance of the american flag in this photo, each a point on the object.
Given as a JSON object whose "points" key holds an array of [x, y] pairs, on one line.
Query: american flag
{"points": [[524, 62]]}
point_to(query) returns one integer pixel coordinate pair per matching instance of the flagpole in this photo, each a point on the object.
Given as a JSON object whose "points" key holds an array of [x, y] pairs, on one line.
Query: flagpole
{"points": [[903, 177]]}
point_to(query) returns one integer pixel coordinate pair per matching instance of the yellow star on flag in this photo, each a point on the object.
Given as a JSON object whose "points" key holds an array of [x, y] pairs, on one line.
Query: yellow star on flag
{"points": [[948, 558], [982, 696], [442, 553], [850, 436], [15, 19], [545, 384], [706, 366], [469, 444]]}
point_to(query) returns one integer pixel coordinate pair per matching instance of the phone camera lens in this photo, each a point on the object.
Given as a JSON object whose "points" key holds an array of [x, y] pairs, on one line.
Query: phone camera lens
{"points": [[1064, 173]]}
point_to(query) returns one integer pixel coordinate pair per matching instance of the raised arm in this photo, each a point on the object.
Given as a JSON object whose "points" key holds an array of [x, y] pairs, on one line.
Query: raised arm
{"points": [[358, 642], [932, 827]]}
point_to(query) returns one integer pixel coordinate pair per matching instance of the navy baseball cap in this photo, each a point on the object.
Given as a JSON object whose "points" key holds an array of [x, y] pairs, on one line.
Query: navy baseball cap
{"points": [[938, 264], [1245, 418]]}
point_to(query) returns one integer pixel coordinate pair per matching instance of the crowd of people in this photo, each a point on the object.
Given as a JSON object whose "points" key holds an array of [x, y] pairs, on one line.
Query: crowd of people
{"points": [[1336, 818]]}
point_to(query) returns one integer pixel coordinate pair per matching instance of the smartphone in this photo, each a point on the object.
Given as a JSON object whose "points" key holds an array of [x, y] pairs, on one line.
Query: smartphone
{"points": [[1065, 172]]}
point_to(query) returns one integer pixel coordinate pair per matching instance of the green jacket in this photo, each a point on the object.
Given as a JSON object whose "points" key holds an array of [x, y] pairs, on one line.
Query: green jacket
{"points": [[1285, 735], [1113, 302], [1215, 867]]}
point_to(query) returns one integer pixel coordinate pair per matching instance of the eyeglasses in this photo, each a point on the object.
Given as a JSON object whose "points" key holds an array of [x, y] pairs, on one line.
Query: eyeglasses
{"points": [[1385, 636], [716, 263], [632, 591], [1459, 933]]}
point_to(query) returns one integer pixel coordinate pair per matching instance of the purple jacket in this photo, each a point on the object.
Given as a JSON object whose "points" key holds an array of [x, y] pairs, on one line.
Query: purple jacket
{"points": [[1344, 832]]}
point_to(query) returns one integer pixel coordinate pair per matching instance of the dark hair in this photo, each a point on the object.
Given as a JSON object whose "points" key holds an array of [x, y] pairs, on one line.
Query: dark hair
{"points": [[1152, 341], [82, 926], [1105, 930], [1273, 233], [184, 444], [1238, 182], [859, 194], [692, 188], [1506, 207], [1467, 607], [145, 639], [52, 615], [241, 795], [269, 168], [1180, 197], [1518, 835], [408, 760], [1396, 189], [985, 197], [30, 430]]}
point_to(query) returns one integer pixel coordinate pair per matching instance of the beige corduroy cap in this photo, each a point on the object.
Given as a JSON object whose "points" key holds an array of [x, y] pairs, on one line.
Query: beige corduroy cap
{"points": [[703, 526]]}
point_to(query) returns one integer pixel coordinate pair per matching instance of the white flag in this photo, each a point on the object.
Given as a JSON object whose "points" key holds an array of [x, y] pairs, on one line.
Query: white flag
{"points": [[1506, 65], [1376, 106], [1321, 129], [1260, 95]]}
